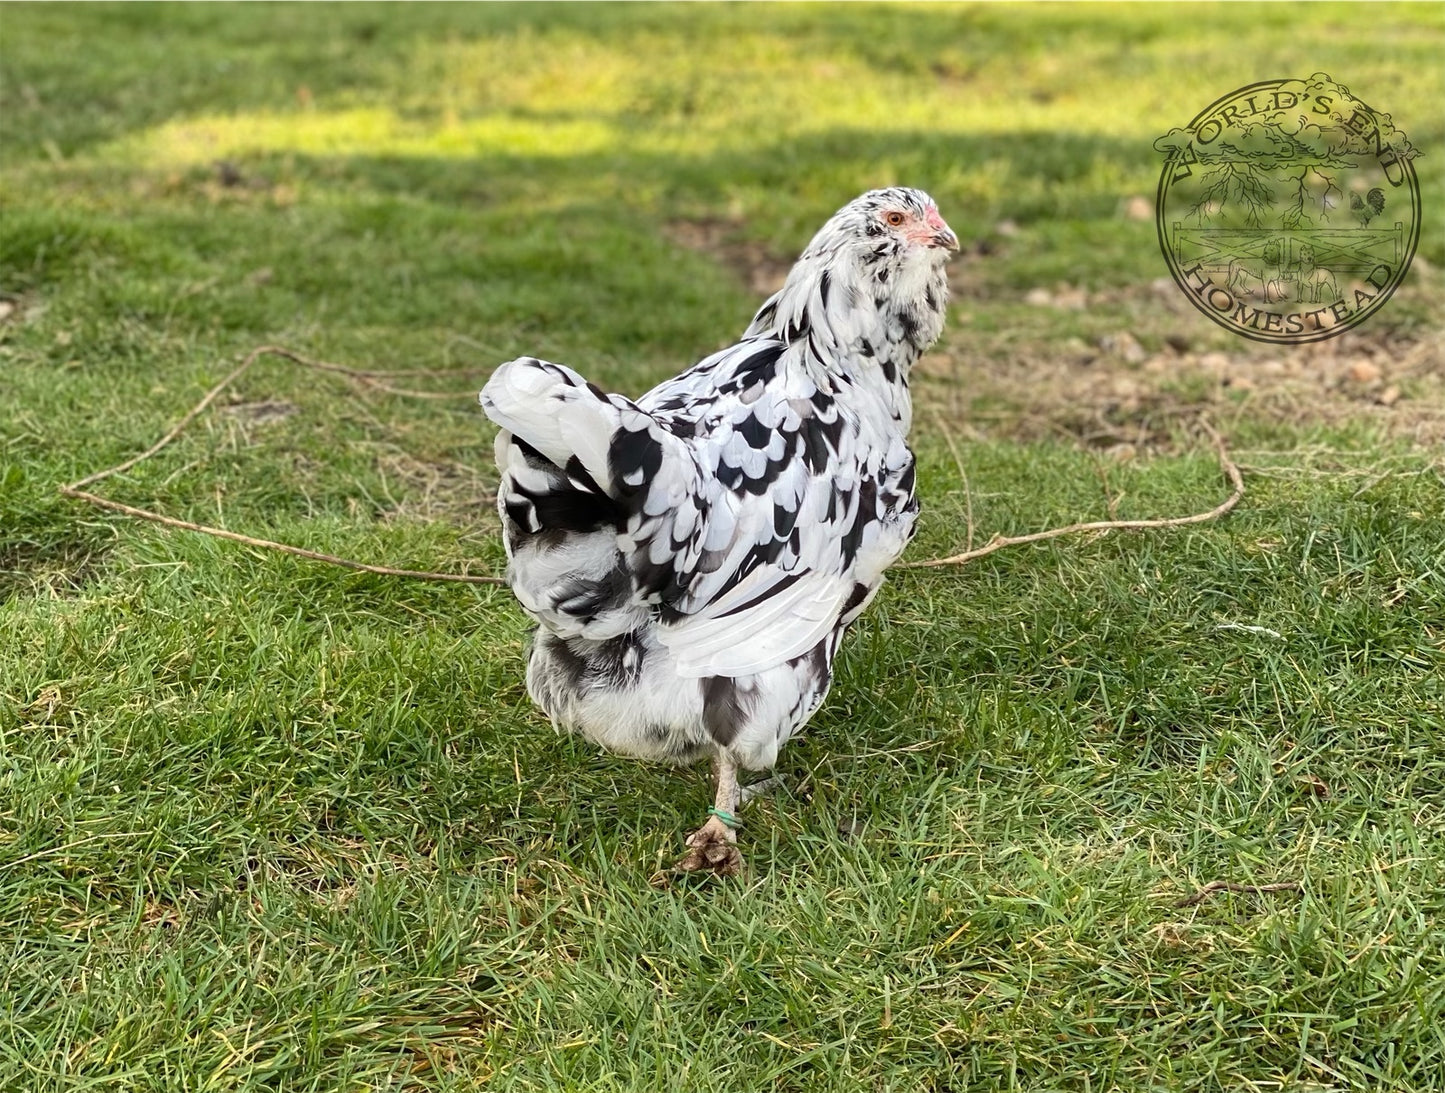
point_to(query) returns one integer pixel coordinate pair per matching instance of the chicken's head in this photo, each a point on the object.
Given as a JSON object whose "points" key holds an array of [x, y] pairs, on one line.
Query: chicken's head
{"points": [[890, 224], [873, 274]]}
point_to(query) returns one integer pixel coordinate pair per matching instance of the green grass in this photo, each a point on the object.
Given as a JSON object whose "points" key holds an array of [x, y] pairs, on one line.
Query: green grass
{"points": [[271, 824]]}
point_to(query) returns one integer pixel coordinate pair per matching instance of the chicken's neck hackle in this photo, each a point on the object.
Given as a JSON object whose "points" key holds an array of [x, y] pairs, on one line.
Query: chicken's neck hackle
{"points": [[858, 315]]}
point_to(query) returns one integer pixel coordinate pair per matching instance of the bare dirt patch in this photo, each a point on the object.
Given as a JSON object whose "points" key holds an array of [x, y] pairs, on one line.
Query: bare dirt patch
{"points": [[59, 567], [762, 270], [1113, 392]]}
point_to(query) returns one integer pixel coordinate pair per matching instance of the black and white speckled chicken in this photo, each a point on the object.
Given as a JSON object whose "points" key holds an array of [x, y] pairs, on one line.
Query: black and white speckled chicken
{"points": [[693, 557]]}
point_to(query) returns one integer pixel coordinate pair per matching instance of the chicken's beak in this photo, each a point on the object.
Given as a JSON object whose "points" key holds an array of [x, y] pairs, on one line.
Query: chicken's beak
{"points": [[942, 234]]}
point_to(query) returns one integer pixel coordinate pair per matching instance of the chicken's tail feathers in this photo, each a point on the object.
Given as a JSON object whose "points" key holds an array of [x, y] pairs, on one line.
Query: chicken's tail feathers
{"points": [[555, 411], [601, 441], [559, 504]]}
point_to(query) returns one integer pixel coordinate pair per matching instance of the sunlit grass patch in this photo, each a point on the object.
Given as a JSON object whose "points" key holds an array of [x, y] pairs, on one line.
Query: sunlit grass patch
{"points": [[372, 132]]}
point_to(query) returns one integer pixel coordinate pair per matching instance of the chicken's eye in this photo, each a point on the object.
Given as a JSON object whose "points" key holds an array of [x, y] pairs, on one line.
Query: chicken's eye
{"points": [[894, 219]]}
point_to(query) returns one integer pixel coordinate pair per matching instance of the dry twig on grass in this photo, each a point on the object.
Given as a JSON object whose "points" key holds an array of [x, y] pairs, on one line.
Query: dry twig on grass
{"points": [[998, 542], [1244, 889], [371, 379]]}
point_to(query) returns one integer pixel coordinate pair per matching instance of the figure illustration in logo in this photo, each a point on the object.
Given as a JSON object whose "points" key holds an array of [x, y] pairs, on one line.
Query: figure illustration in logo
{"points": [[1314, 284], [1371, 206], [1261, 282]]}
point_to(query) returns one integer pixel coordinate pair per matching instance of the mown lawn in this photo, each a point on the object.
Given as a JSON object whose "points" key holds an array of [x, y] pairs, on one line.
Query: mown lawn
{"points": [[266, 823]]}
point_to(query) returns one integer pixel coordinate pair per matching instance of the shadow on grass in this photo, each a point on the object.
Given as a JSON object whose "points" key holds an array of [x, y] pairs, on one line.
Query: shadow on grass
{"points": [[543, 237]]}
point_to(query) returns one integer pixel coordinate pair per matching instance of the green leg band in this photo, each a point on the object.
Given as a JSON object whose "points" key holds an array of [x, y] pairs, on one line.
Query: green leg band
{"points": [[726, 817]]}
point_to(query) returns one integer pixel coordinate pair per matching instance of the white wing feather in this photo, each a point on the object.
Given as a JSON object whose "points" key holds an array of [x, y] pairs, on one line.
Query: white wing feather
{"points": [[783, 624]]}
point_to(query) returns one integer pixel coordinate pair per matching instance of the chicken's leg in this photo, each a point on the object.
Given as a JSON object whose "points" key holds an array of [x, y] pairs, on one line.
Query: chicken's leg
{"points": [[714, 845]]}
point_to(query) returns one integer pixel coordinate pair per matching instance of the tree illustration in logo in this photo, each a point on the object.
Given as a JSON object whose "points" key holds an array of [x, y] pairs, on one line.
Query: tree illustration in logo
{"points": [[1279, 164]]}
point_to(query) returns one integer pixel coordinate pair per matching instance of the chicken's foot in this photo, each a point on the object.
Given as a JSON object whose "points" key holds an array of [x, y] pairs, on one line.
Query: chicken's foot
{"points": [[713, 846]]}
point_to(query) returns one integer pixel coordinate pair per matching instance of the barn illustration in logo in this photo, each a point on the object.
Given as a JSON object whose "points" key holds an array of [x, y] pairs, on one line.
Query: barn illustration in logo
{"points": [[1288, 210]]}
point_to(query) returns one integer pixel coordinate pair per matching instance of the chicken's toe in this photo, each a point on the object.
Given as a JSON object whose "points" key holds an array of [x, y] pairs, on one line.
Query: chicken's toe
{"points": [[713, 848]]}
